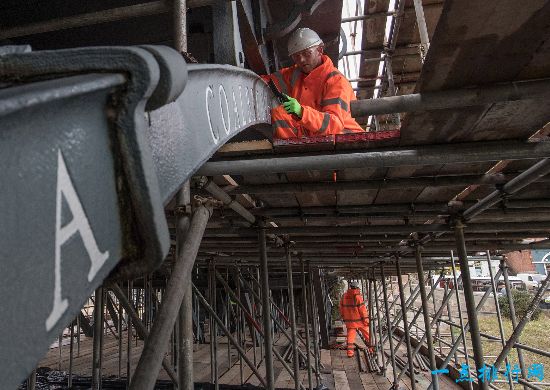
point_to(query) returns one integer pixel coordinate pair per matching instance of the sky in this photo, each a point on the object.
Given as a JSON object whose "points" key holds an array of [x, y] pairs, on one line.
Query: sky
{"points": [[349, 65], [353, 31]]}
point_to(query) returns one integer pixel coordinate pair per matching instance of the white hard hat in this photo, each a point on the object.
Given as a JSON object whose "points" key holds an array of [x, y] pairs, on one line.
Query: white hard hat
{"points": [[301, 39], [353, 284]]}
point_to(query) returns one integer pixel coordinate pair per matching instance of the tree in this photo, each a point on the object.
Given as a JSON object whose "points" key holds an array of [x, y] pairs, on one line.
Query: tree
{"points": [[521, 299]]}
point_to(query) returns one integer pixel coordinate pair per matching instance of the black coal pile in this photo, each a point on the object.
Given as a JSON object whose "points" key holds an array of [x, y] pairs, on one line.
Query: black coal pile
{"points": [[48, 379]]}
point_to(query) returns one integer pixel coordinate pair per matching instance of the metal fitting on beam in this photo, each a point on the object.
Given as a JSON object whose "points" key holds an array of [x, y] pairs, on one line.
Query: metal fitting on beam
{"points": [[208, 185]]}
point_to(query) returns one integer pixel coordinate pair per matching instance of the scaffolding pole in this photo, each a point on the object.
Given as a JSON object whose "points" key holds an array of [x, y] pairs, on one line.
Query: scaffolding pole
{"points": [[406, 328], [266, 309], [155, 346], [470, 301], [98, 339], [425, 312], [230, 337], [306, 322], [513, 318], [292, 319], [395, 385]]}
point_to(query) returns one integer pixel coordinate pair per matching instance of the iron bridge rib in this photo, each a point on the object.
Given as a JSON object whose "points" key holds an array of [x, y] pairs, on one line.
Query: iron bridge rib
{"points": [[218, 102], [97, 174]]}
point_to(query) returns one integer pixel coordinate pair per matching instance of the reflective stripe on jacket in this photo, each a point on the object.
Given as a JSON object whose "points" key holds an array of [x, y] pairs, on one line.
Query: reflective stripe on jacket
{"points": [[353, 311], [325, 95]]}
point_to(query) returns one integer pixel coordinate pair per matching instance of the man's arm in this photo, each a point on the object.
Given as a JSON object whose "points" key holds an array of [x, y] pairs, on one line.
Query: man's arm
{"points": [[334, 108], [280, 78]]}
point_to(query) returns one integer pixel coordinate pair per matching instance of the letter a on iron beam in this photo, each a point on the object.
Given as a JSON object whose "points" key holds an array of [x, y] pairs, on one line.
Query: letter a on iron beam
{"points": [[79, 224]]}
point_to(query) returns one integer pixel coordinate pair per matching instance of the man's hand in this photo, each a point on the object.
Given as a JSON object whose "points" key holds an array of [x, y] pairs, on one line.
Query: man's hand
{"points": [[292, 106]]}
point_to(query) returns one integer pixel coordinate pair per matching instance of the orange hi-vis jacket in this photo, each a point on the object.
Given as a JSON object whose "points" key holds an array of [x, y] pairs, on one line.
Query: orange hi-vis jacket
{"points": [[325, 96], [353, 311]]}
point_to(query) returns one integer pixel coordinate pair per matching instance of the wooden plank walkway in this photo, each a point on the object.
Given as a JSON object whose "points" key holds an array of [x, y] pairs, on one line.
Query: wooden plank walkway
{"points": [[338, 373]]}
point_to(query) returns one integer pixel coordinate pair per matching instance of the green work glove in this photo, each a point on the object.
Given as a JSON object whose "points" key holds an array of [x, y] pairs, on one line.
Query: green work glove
{"points": [[292, 106]]}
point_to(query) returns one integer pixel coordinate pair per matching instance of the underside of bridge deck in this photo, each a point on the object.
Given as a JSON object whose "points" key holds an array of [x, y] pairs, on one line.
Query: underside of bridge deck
{"points": [[149, 215]]}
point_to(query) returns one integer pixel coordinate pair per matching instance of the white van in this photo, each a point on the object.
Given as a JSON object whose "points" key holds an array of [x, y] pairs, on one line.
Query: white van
{"points": [[530, 281], [540, 278]]}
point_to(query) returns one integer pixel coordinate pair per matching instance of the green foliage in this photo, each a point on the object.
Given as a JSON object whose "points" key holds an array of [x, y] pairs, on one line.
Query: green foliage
{"points": [[455, 331], [335, 293], [521, 299]]}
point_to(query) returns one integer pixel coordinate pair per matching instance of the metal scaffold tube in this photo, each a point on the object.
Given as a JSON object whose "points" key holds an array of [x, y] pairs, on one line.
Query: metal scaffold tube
{"points": [[398, 318], [367, 285], [406, 327], [180, 25], [254, 295], [373, 184], [306, 322], [71, 353], [521, 325], [470, 301], [31, 380], [292, 313], [391, 83], [461, 318], [119, 335], [511, 91], [230, 337], [389, 328], [540, 169], [513, 318], [414, 156], [222, 196], [185, 320], [212, 295], [315, 325], [266, 309], [155, 346], [240, 326], [228, 321], [259, 302], [131, 316], [499, 317], [425, 312], [408, 303], [540, 228], [434, 322], [466, 326], [140, 328], [256, 326], [185, 341], [421, 209], [98, 339], [450, 318], [437, 329], [380, 344], [92, 18], [422, 29], [183, 210]]}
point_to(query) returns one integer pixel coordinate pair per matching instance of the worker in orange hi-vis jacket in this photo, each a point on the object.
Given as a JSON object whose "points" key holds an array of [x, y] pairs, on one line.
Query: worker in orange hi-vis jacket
{"points": [[355, 316], [318, 95]]}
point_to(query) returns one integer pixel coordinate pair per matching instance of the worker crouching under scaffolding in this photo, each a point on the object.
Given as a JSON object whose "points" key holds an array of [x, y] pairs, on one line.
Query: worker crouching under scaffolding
{"points": [[317, 97], [355, 316]]}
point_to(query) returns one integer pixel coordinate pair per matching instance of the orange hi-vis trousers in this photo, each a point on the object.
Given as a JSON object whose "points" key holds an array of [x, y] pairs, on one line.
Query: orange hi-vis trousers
{"points": [[352, 332]]}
